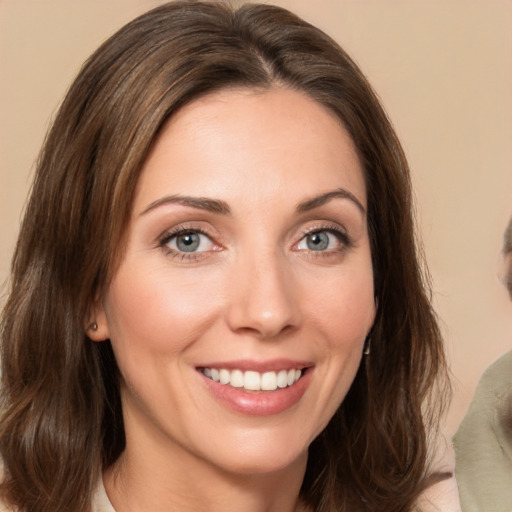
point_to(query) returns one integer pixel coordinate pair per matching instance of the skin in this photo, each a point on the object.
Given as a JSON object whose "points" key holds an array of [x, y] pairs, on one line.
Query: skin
{"points": [[257, 289]]}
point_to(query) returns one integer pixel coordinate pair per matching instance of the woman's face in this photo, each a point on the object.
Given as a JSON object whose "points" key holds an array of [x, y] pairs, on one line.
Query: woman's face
{"points": [[239, 310]]}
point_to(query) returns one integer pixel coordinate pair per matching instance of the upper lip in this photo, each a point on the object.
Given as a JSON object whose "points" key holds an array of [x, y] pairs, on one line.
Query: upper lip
{"points": [[259, 366]]}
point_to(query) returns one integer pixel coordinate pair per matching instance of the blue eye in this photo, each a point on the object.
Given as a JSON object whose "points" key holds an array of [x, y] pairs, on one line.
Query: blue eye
{"points": [[317, 241], [189, 242]]}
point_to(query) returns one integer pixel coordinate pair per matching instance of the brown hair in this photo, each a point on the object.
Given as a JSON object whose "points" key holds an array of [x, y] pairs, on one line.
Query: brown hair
{"points": [[61, 414]]}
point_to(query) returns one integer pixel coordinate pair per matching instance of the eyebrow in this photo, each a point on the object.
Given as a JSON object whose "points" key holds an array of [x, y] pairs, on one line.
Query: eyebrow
{"points": [[221, 207], [202, 203], [341, 193]]}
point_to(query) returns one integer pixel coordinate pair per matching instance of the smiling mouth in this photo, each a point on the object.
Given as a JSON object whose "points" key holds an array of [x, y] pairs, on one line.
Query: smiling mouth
{"points": [[254, 381]]}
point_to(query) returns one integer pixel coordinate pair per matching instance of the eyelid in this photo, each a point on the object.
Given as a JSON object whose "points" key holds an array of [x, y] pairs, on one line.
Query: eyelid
{"points": [[173, 241], [345, 240], [182, 229]]}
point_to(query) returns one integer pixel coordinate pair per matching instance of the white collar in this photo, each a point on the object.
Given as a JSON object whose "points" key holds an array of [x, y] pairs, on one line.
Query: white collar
{"points": [[100, 502]]}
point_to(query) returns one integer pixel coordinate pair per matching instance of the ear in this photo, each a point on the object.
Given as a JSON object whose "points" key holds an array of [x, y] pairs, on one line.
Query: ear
{"points": [[96, 326]]}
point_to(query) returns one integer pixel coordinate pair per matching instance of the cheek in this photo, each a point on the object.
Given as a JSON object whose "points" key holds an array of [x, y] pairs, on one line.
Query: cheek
{"points": [[345, 310], [155, 312], [343, 316]]}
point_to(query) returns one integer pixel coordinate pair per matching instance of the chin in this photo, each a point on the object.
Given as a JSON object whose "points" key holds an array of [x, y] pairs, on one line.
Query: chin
{"points": [[261, 465], [260, 455]]}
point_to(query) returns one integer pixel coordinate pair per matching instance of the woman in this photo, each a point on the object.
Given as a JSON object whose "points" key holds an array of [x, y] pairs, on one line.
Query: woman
{"points": [[216, 299]]}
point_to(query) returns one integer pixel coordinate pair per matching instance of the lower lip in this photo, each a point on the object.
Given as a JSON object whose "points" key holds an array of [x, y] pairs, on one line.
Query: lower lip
{"points": [[255, 403]]}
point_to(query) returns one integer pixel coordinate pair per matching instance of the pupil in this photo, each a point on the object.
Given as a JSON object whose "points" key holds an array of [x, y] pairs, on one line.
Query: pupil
{"points": [[318, 241], [188, 242]]}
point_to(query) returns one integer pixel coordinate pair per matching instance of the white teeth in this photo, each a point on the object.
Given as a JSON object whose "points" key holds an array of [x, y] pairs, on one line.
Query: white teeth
{"points": [[224, 377], [237, 379], [254, 381], [282, 379], [269, 381]]}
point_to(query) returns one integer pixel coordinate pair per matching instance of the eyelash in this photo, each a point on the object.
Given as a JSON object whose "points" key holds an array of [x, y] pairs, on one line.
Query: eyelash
{"points": [[345, 241], [182, 230]]}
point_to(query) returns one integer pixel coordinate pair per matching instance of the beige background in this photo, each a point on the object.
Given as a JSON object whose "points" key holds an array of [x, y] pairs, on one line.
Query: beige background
{"points": [[444, 72]]}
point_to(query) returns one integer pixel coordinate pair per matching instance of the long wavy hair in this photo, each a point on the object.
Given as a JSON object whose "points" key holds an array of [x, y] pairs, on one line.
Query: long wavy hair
{"points": [[61, 417]]}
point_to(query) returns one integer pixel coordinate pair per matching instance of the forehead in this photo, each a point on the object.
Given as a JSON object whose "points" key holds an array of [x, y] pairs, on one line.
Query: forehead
{"points": [[247, 144]]}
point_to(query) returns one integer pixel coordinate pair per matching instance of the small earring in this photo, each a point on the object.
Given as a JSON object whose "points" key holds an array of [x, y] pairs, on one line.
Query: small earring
{"points": [[367, 342], [93, 326]]}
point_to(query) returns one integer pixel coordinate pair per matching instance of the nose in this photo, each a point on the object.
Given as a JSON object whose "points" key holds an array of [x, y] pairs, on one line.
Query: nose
{"points": [[264, 299]]}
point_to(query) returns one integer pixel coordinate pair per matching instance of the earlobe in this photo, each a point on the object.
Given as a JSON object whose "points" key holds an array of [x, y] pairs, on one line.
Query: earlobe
{"points": [[96, 327]]}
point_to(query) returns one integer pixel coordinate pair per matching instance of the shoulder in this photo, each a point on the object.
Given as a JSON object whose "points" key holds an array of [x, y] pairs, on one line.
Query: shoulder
{"points": [[100, 502], [483, 442], [497, 378], [443, 495], [4, 507], [490, 403]]}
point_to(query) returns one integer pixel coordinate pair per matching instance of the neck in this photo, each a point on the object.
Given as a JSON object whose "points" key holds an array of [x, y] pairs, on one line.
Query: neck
{"points": [[161, 481]]}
